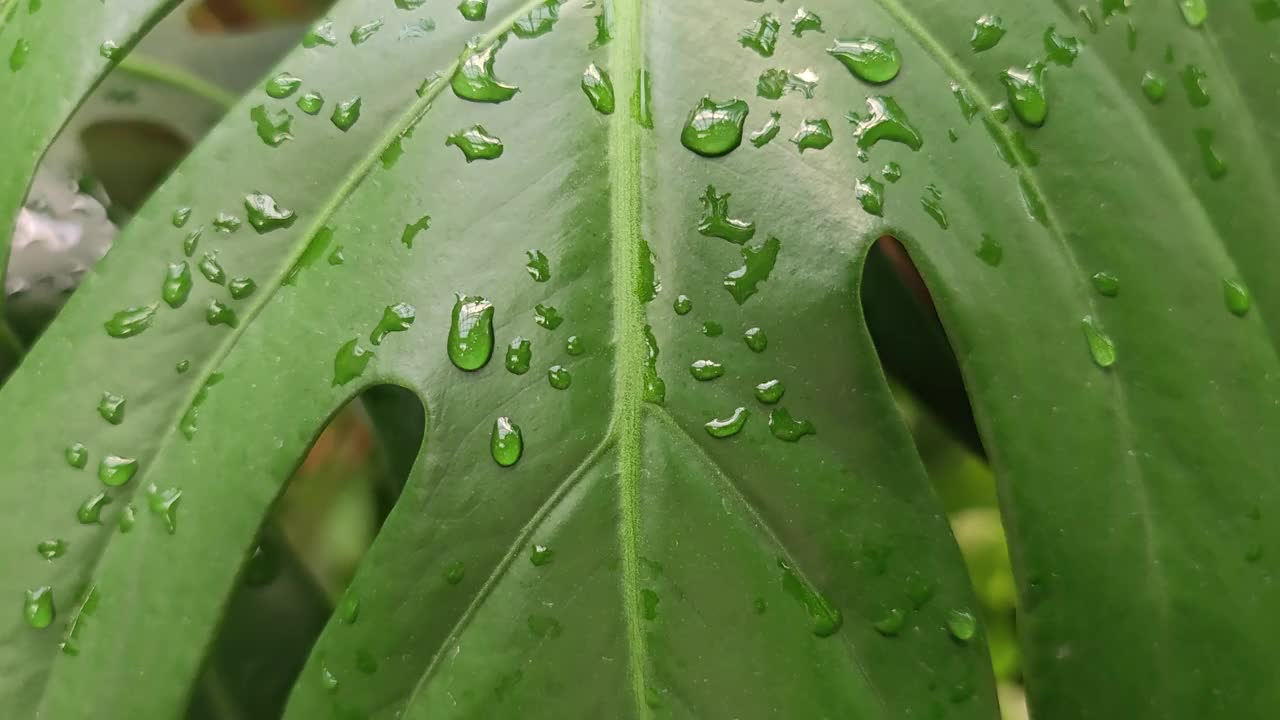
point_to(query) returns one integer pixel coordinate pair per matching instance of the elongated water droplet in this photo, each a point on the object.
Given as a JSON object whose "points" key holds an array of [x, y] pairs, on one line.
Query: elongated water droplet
{"points": [[53, 548], [603, 32], [682, 305], [1106, 284], [211, 269], [1195, 12], [541, 555], [1101, 347], [1213, 162], [706, 370], [813, 135], [412, 230], [714, 129], [37, 607], [758, 263], [192, 241], [717, 223], [506, 442], [265, 215], [395, 318], [177, 284], [805, 21], [127, 519], [473, 10], [824, 620], [642, 100], [346, 114], [869, 193], [931, 201], [272, 128], [1237, 297], [1060, 49], [871, 59], [474, 79], [90, 511], [115, 471], [470, 342], [111, 408], [770, 392], [321, 34], [130, 321], [762, 36], [771, 128], [283, 85], [547, 316], [655, 388], [180, 217], [350, 362], [519, 356], [21, 51], [163, 503], [1193, 81], [77, 456], [599, 89], [361, 33], [558, 377], [962, 625], [539, 266], [1026, 90], [886, 120], [988, 30], [730, 426], [476, 143], [785, 427]]}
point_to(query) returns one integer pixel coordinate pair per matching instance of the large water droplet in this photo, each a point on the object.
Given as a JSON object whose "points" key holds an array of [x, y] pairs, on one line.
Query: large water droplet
{"points": [[476, 143], [714, 129], [177, 284], [519, 356], [130, 321], [163, 503], [558, 377], [52, 548], [599, 89], [1060, 49], [321, 34], [111, 408], [474, 79], [988, 30], [805, 21], [990, 251], [1195, 12], [211, 269], [1101, 347], [575, 345], [682, 305], [547, 316], [77, 456], [241, 287], [541, 555], [655, 388], [506, 442], [350, 361], [762, 36], [90, 511], [758, 263], [540, 21], [283, 85], [473, 10], [869, 193], [770, 392], [773, 82], [1026, 90], [706, 369], [1106, 284], [265, 215], [1154, 87], [395, 318], [311, 102], [813, 135], [873, 60], [219, 313], [470, 342], [273, 128], [1193, 81], [539, 266], [785, 427], [1237, 297], [115, 471], [346, 114], [824, 620], [642, 100], [769, 131], [756, 339], [891, 622], [962, 625], [37, 607], [361, 33], [886, 120], [730, 426], [717, 223]]}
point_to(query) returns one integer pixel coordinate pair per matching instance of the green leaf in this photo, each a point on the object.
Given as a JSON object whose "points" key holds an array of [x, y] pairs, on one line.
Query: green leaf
{"points": [[689, 575]]}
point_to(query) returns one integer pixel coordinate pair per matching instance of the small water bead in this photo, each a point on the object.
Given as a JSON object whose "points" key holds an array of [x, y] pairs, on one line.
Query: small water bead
{"points": [[241, 288], [1193, 81], [265, 215], [395, 318], [885, 120], [870, 59], [547, 316], [90, 511], [115, 471], [762, 36], [968, 108], [414, 229], [519, 356], [869, 193], [1106, 284], [805, 21], [1237, 297], [706, 370], [813, 135], [1195, 12], [988, 30], [712, 329], [111, 408], [350, 362], [337, 257], [770, 392], [111, 51], [51, 549], [771, 128], [891, 623], [598, 87], [1154, 87], [1213, 163], [990, 251], [37, 607], [470, 342], [361, 33], [77, 456], [321, 34], [130, 321], [219, 313], [558, 377], [1026, 90], [714, 129], [575, 345], [824, 620], [272, 128], [346, 113], [891, 173], [283, 85], [784, 427], [454, 572], [539, 266], [756, 339], [163, 503], [211, 269], [1101, 347], [682, 305], [758, 263], [506, 442], [540, 555], [474, 79], [730, 426], [180, 217], [931, 201], [177, 284], [476, 143], [962, 625], [227, 223], [1060, 49], [717, 223], [311, 102]]}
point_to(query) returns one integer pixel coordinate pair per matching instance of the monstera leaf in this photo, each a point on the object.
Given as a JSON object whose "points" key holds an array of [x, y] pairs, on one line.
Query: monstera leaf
{"points": [[616, 251]]}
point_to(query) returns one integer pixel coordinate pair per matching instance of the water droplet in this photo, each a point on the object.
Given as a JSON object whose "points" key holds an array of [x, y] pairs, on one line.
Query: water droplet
{"points": [[346, 113], [805, 21], [115, 471], [1026, 90], [599, 89], [241, 288], [177, 284], [454, 572], [130, 321], [642, 100], [311, 103], [655, 388], [870, 194], [314, 251], [1195, 12], [395, 318], [1106, 284], [891, 623], [164, 504], [128, 518], [506, 443], [962, 625], [968, 108], [219, 313], [539, 266], [1237, 297], [473, 10], [649, 604], [824, 620], [77, 456], [773, 82], [265, 215], [990, 251], [476, 143], [785, 427], [706, 369], [559, 378], [714, 129], [1213, 163], [682, 305], [603, 34], [1193, 80], [711, 328], [273, 128], [1060, 49], [412, 230], [470, 342], [717, 223], [187, 424], [90, 511], [886, 120], [931, 201], [988, 30], [539, 22], [211, 269], [21, 51], [575, 345], [37, 608], [111, 51], [519, 355], [756, 339], [283, 85], [182, 366], [892, 172], [541, 555], [192, 241], [813, 135], [544, 627], [871, 59], [350, 362], [1154, 87], [770, 392], [762, 36], [180, 216], [226, 223], [474, 79], [1101, 347], [758, 264], [730, 426], [53, 548], [361, 33], [768, 132], [547, 316], [1266, 10], [321, 34], [111, 408]]}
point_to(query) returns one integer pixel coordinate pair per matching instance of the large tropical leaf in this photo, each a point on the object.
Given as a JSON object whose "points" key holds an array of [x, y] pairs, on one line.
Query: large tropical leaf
{"points": [[688, 575]]}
